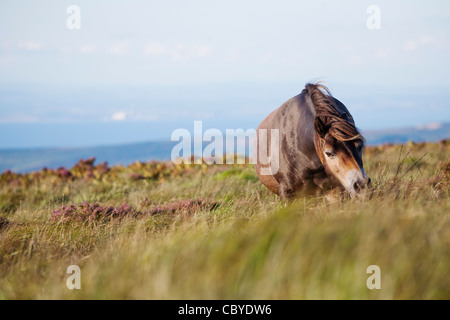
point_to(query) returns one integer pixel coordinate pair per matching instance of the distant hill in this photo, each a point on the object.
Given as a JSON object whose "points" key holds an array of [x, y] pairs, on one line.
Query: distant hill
{"points": [[25, 160], [426, 133]]}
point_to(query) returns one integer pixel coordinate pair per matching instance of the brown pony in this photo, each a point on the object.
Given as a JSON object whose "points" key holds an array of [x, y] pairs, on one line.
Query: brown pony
{"points": [[316, 146]]}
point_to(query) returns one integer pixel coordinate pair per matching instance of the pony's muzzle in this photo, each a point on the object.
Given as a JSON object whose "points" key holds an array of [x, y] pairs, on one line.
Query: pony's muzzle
{"points": [[363, 188], [359, 186], [362, 184]]}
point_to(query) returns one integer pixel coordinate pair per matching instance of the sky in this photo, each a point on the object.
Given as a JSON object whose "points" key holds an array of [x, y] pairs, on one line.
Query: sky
{"points": [[136, 70]]}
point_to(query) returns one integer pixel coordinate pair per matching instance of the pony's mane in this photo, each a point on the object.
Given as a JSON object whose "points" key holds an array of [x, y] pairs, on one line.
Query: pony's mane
{"points": [[338, 126]]}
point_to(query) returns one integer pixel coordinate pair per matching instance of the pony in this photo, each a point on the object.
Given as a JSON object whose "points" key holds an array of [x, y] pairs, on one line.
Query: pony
{"points": [[319, 147]]}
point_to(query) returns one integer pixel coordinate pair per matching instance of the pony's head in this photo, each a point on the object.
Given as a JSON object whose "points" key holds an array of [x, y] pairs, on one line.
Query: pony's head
{"points": [[338, 142]]}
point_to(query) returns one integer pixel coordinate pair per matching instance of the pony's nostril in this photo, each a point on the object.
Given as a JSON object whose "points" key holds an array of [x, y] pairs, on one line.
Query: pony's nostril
{"points": [[359, 186]]}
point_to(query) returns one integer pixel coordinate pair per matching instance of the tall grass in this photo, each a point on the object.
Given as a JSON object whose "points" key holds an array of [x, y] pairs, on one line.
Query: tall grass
{"points": [[214, 232]]}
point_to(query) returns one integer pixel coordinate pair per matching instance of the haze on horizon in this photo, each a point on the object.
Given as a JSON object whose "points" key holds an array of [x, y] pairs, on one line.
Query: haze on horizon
{"points": [[137, 70]]}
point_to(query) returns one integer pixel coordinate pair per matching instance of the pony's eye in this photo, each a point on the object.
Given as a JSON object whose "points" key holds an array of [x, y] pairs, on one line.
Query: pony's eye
{"points": [[359, 145], [329, 154]]}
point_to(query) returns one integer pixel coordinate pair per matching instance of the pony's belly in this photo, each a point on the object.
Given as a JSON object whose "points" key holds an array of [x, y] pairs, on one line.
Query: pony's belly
{"points": [[270, 182]]}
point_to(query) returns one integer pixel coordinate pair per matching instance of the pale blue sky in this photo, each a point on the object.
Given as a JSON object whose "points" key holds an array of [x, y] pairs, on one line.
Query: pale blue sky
{"points": [[159, 61]]}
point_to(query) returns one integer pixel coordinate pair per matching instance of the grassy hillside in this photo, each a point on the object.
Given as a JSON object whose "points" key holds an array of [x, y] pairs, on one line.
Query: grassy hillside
{"points": [[164, 231]]}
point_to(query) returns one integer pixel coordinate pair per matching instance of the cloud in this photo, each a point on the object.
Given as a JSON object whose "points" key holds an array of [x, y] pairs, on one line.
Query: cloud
{"points": [[430, 126], [427, 40], [119, 48], [203, 51], [415, 44], [411, 45], [119, 116], [30, 45], [87, 48], [182, 52], [131, 116], [156, 48], [381, 54]]}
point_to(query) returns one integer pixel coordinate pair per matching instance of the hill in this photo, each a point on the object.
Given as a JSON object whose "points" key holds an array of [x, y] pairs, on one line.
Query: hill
{"points": [[26, 160], [425, 133]]}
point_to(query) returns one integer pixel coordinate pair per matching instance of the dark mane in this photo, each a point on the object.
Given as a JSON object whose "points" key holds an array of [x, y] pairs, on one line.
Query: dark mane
{"points": [[328, 118]]}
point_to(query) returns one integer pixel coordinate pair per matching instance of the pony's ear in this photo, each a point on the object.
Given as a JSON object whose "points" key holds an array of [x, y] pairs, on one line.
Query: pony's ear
{"points": [[320, 127]]}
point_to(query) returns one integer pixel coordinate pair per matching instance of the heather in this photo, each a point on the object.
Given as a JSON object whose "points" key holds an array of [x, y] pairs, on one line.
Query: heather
{"points": [[159, 230]]}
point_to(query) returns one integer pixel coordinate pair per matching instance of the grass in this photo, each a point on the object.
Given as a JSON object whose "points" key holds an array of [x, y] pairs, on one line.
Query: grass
{"points": [[214, 232]]}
